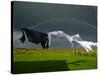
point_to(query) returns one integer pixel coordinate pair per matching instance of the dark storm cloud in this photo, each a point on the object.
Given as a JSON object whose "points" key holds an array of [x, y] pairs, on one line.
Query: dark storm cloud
{"points": [[28, 13], [49, 17]]}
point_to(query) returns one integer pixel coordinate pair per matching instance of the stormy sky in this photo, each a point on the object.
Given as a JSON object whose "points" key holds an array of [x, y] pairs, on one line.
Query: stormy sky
{"points": [[46, 17]]}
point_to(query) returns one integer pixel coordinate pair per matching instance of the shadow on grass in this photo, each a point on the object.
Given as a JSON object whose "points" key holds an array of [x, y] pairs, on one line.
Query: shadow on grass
{"points": [[77, 62], [39, 66]]}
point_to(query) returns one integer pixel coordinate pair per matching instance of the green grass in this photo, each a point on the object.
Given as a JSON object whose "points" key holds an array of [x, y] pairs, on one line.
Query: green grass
{"points": [[38, 60]]}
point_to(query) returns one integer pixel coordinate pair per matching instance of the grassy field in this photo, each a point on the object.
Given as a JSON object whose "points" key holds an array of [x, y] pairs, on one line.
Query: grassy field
{"points": [[37, 60]]}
